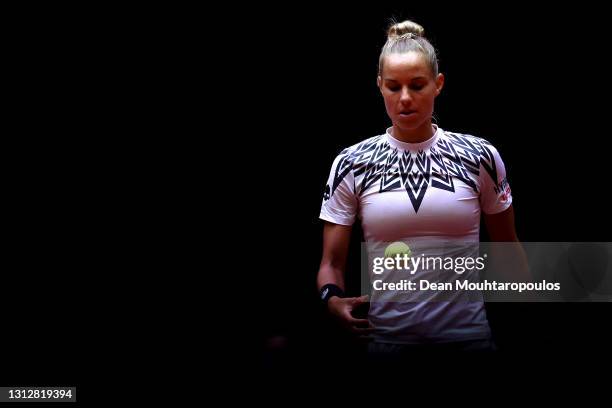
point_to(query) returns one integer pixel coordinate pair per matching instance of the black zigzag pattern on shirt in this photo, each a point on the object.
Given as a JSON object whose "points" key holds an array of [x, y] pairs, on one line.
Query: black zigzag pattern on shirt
{"points": [[456, 157], [391, 176], [415, 172], [475, 152], [375, 166], [440, 176], [353, 159], [454, 165]]}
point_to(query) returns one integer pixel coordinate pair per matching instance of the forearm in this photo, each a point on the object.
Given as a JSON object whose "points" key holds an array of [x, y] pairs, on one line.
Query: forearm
{"points": [[508, 256], [329, 273], [509, 261]]}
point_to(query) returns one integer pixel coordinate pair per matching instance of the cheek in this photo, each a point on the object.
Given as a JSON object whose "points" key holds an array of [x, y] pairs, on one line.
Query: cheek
{"points": [[390, 100], [387, 101], [428, 100]]}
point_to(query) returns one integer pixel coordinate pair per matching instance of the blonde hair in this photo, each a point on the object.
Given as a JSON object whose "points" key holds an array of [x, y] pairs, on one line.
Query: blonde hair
{"points": [[405, 37]]}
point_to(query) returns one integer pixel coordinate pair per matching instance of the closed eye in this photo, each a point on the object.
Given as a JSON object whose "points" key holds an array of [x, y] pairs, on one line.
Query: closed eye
{"points": [[413, 87]]}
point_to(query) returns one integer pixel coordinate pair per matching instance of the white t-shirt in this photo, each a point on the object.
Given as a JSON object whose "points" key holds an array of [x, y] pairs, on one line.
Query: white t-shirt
{"points": [[430, 194]]}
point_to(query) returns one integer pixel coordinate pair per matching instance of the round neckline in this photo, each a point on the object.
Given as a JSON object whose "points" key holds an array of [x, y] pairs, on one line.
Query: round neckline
{"points": [[413, 146]]}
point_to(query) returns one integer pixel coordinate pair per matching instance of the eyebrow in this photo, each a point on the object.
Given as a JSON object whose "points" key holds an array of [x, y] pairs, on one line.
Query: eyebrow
{"points": [[393, 80]]}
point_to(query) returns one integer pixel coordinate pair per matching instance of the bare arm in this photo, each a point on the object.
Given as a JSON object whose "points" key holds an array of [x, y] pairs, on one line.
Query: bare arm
{"points": [[336, 239], [509, 260], [500, 226]]}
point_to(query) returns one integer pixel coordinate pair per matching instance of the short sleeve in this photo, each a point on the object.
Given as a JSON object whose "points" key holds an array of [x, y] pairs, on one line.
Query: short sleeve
{"points": [[339, 200], [495, 193]]}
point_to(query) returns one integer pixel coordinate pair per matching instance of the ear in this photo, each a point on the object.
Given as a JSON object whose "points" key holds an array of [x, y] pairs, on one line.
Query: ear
{"points": [[439, 83], [379, 82]]}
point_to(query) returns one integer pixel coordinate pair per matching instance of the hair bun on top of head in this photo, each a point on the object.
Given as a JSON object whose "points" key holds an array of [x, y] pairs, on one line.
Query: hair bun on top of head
{"points": [[404, 37], [406, 28]]}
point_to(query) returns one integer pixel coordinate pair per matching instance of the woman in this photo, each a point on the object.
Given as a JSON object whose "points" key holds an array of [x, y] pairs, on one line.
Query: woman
{"points": [[419, 184]]}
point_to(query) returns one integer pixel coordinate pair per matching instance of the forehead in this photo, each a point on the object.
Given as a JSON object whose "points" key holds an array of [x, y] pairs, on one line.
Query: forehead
{"points": [[406, 65]]}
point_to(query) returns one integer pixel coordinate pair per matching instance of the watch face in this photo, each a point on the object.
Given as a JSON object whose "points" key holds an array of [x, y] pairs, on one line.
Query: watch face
{"points": [[324, 293]]}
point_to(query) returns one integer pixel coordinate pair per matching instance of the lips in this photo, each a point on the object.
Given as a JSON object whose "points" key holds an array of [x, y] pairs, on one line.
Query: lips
{"points": [[406, 113]]}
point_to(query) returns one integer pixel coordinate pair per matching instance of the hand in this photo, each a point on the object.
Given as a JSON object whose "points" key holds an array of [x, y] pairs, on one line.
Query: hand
{"points": [[342, 308]]}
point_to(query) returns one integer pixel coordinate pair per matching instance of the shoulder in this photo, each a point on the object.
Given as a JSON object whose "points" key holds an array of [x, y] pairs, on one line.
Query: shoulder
{"points": [[474, 153], [364, 146], [468, 145], [466, 140], [355, 155]]}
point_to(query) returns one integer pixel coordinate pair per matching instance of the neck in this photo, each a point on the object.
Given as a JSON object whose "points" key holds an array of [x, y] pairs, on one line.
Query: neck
{"points": [[418, 135]]}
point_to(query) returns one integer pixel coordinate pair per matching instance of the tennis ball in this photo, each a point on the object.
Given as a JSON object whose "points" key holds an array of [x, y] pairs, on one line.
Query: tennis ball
{"points": [[397, 248]]}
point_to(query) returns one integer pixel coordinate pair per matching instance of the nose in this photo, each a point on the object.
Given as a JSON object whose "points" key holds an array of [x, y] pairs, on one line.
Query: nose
{"points": [[405, 97]]}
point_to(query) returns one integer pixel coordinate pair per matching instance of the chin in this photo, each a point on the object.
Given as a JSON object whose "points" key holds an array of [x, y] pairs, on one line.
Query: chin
{"points": [[409, 124]]}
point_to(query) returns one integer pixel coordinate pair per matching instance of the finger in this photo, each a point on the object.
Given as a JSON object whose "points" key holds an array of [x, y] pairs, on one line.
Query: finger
{"points": [[361, 299]]}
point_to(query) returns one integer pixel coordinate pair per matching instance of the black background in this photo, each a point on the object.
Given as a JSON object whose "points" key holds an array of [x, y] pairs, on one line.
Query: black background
{"points": [[532, 82], [297, 84]]}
